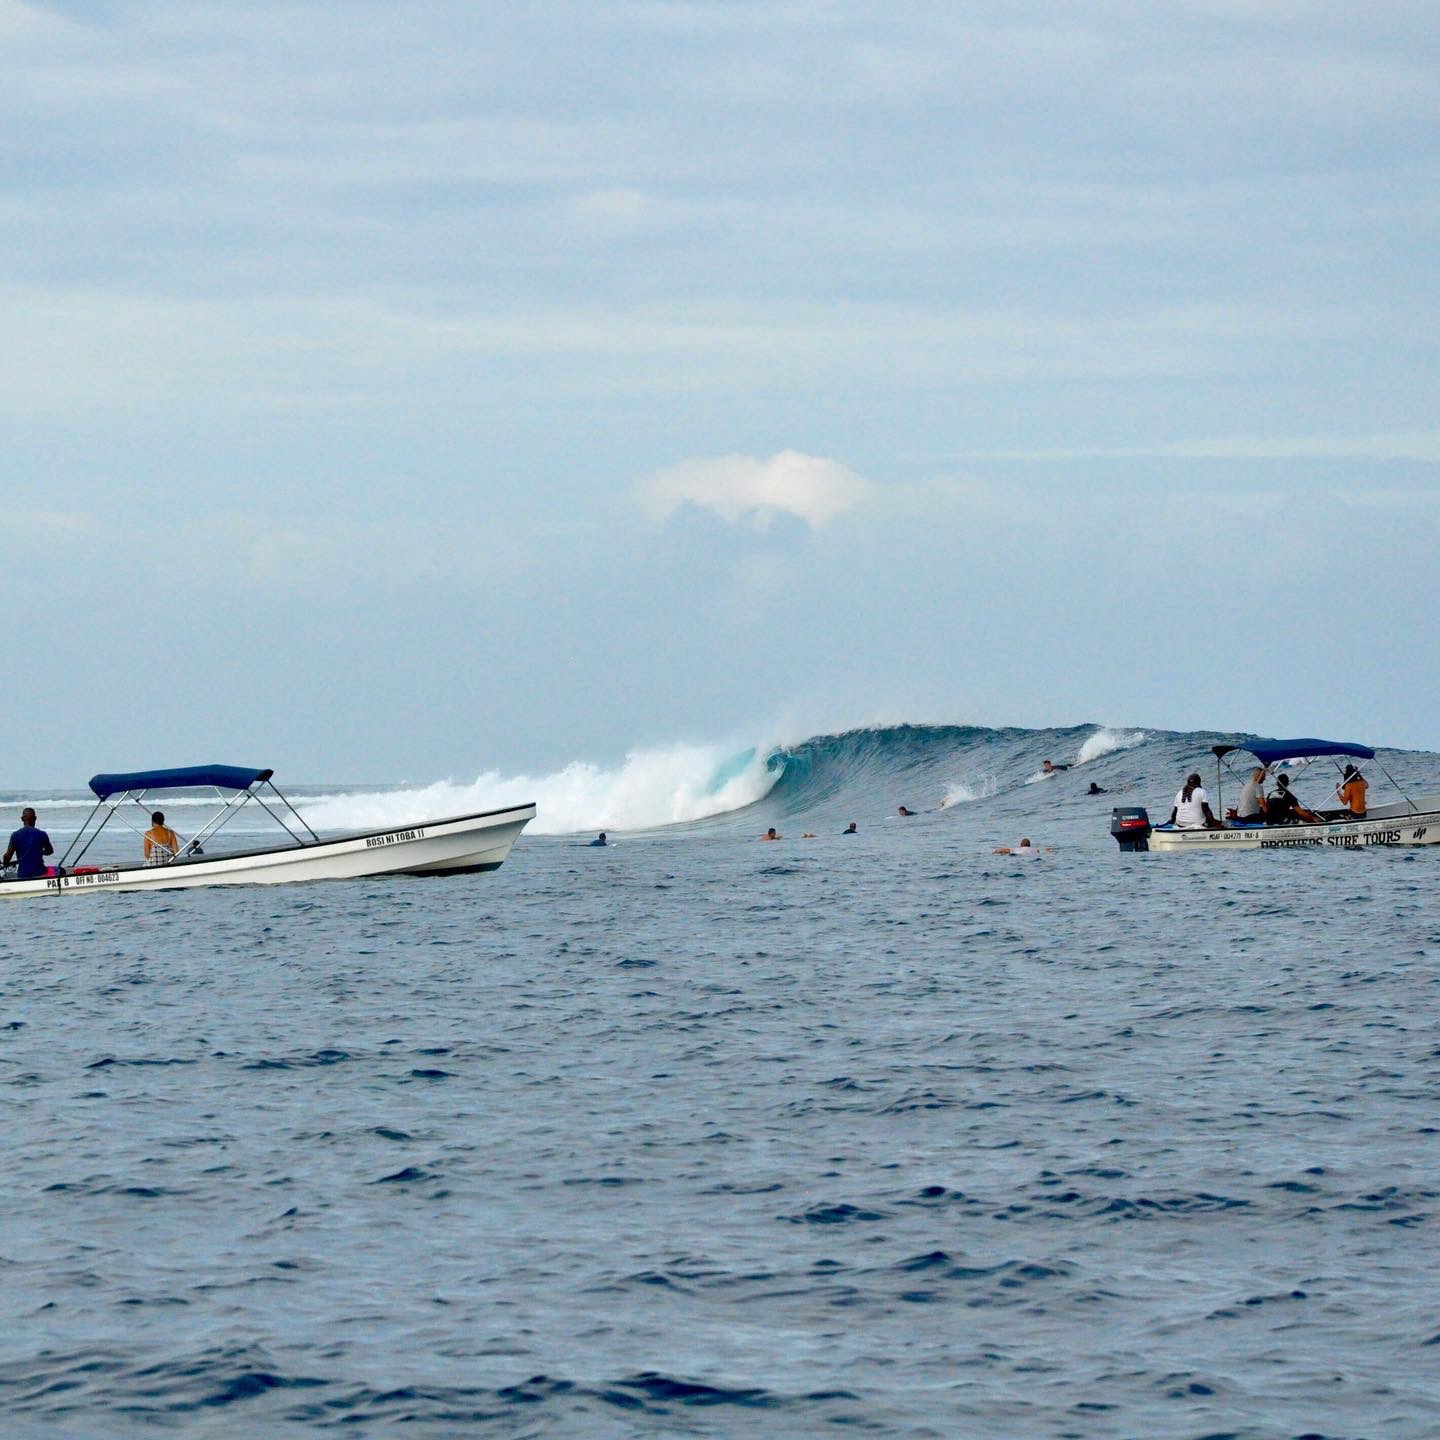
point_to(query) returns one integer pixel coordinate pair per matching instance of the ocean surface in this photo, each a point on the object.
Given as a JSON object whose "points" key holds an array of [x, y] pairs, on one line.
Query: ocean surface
{"points": [[698, 1135]]}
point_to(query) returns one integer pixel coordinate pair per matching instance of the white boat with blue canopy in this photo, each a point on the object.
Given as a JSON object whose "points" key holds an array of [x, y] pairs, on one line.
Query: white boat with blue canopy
{"points": [[1404, 820], [454, 845]]}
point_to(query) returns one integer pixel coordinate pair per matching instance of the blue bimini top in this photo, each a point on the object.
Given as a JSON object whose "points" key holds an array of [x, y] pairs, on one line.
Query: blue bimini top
{"points": [[223, 777], [1271, 752]]}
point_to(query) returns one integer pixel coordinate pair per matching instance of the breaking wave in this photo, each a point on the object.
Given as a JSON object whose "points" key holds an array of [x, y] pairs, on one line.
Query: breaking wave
{"points": [[924, 767], [649, 788], [863, 775]]}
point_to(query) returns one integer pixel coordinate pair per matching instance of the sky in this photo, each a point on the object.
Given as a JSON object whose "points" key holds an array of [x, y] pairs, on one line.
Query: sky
{"points": [[403, 392]]}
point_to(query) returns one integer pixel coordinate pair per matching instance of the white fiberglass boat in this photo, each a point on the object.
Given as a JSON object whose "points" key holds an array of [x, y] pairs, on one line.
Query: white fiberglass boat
{"points": [[1403, 821], [457, 845]]}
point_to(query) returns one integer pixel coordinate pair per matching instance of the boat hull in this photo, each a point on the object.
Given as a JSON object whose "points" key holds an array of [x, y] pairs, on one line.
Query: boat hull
{"points": [[1412, 828], [463, 844]]}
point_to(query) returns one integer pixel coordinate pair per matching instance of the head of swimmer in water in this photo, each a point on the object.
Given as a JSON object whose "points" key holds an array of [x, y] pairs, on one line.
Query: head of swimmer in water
{"points": [[770, 834], [1048, 766]]}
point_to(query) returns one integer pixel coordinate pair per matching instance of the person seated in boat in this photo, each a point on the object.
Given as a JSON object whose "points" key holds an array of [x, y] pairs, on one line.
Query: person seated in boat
{"points": [[162, 844], [600, 839], [1284, 808], [1191, 810], [1251, 808], [28, 847], [1352, 795]]}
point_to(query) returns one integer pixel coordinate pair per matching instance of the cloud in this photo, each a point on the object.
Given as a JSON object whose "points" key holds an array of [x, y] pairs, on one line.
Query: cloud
{"points": [[742, 488]]}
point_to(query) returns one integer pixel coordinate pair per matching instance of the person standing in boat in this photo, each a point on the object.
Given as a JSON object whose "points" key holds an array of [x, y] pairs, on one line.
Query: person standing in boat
{"points": [[162, 844], [1252, 797], [1191, 810], [28, 847]]}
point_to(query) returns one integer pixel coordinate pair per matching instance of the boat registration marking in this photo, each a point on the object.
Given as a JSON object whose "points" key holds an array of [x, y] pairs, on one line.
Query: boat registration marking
{"points": [[396, 837], [79, 882]]}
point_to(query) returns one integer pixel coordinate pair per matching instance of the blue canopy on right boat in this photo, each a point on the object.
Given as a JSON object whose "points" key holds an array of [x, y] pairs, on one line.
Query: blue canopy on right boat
{"points": [[1271, 752], [223, 777]]}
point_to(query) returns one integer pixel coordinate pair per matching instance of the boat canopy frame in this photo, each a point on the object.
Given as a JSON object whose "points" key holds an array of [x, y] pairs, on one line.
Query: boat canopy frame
{"points": [[1277, 752], [113, 791]]}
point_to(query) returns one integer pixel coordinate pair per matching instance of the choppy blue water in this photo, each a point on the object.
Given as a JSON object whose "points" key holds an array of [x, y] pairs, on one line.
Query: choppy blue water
{"points": [[702, 1136]]}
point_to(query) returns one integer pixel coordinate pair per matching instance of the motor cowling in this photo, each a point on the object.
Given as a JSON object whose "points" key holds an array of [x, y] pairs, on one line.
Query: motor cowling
{"points": [[1130, 825]]}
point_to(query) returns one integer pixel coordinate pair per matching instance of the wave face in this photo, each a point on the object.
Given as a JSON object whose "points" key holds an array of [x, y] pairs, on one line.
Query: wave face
{"points": [[931, 768], [863, 775]]}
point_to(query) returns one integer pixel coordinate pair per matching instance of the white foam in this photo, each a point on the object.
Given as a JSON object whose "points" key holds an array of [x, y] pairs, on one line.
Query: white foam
{"points": [[966, 792], [1106, 742], [650, 788]]}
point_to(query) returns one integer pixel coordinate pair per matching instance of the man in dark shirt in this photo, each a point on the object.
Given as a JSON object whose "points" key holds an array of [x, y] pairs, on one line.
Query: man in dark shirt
{"points": [[1282, 808], [30, 847]]}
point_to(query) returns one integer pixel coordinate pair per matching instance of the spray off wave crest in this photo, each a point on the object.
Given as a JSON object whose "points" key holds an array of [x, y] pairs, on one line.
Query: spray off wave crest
{"points": [[1106, 742]]}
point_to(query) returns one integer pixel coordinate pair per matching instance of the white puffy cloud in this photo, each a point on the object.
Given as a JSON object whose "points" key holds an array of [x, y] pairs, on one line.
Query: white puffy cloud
{"points": [[743, 488]]}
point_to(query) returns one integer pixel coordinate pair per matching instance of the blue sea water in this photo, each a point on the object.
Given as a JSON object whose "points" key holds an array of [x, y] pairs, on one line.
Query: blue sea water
{"points": [[697, 1135]]}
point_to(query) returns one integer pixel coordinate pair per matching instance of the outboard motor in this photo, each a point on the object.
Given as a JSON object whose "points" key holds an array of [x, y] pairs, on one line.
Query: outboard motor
{"points": [[1130, 825]]}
